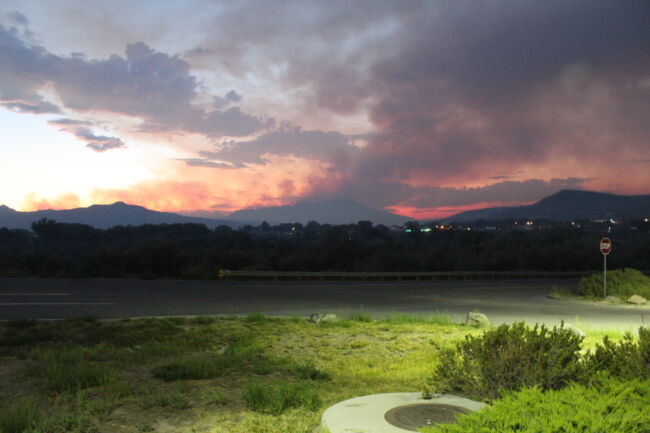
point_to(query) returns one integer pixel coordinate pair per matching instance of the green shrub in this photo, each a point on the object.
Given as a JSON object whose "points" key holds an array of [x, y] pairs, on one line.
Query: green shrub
{"points": [[277, 398], [71, 370], [509, 357], [609, 406], [22, 417], [644, 346], [626, 359], [621, 282]]}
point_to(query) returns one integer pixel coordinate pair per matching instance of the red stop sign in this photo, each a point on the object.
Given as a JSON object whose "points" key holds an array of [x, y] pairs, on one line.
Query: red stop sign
{"points": [[605, 246]]}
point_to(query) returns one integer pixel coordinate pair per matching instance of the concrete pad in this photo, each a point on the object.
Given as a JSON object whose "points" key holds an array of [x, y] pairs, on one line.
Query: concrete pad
{"points": [[366, 414]]}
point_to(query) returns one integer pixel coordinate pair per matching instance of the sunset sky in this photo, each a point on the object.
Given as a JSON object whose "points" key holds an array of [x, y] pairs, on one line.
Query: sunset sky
{"points": [[420, 108]]}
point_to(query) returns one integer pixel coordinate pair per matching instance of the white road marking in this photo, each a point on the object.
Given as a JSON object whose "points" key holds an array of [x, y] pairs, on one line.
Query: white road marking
{"points": [[11, 304], [34, 294]]}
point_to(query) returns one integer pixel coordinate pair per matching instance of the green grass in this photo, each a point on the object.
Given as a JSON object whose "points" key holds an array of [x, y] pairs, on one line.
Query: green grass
{"points": [[69, 371], [244, 352], [215, 397], [359, 317], [204, 320], [23, 416], [195, 368], [285, 360], [277, 398], [174, 400], [309, 371], [257, 318], [410, 319]]}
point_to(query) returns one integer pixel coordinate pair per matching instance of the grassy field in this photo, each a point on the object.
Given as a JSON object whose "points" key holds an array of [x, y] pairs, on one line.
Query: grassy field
{"points": [[209, 374]]}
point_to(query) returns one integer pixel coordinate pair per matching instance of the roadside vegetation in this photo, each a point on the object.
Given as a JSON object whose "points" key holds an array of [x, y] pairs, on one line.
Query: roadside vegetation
{"points": [[261, 374], [540, 380], [206, 374], [621, 283], [192, 251]]}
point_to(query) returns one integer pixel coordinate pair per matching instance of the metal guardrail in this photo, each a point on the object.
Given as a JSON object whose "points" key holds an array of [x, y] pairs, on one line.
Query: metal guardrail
{"points": [[393, 276]]}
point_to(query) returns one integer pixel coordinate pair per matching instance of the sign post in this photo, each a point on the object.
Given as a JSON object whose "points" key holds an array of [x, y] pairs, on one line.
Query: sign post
{"points": [[605, 248]]}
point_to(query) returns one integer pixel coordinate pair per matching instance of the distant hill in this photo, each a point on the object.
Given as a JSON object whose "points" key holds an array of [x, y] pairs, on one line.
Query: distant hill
{"points": [[567, 205], [324, 212], [103, 216]]}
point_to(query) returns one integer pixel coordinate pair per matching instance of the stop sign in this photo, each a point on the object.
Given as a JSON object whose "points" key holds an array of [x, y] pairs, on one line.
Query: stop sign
{"points": [[605, 246]]}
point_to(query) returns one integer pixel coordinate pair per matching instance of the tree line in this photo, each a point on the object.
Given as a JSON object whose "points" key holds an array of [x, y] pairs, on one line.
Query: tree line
{"points": [[192, 251]]}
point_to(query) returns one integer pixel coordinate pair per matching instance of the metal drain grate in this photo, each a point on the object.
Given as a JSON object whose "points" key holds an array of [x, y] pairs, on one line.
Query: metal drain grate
{"points": [[414, 416]]}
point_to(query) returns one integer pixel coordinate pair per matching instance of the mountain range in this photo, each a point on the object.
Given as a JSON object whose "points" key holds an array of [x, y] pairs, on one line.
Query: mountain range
{"points": [[562, 206], [331, 212], [103, 216], [567, 205]]}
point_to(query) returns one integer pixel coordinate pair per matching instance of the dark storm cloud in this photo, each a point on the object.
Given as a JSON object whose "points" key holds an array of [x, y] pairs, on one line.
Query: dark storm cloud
{"points": [[506, 191], [475, 87], [323, 48], [144, 83], [472, 86], [331, 147], [457, 91], [391, 193]]}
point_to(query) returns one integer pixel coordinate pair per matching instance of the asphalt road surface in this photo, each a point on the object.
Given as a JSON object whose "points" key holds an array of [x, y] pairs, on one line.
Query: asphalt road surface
{"points": [[504, 301]]}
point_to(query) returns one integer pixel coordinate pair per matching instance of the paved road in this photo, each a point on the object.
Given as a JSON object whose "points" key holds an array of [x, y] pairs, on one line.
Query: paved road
{"points": [[503, 301]]}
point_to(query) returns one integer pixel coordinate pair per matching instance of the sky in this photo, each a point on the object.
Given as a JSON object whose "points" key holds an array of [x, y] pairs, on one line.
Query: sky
{"points": [[423, 108]]}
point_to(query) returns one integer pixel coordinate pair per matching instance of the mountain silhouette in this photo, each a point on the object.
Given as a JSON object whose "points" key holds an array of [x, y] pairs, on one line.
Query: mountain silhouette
{"points": [[567, 205], [103, 216], [324, 212]]}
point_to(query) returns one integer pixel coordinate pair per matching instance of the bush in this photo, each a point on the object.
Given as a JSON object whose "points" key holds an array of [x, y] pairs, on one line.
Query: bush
{"points": [[626, 359], [509, 357], [277, 398], [620, 282], [609, 406]]}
